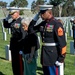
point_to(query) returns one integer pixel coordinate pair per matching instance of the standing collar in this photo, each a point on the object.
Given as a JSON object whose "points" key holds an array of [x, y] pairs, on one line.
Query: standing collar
{"points": [[52, 18]]}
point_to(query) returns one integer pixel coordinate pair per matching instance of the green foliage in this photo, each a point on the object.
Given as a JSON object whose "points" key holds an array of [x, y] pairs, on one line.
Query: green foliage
{"points": [[56, 2], [12, 4], [68, 8], [54, 11], [40, 2], [3, 4], [19, 3], [66, 5], [34, 5]]}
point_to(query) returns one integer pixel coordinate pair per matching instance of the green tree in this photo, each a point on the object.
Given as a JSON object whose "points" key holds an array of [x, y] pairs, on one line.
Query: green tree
{"points": [[69, 8], [40, 2], [65, 7], [19, 3], [35, 5], [3, 4], [57, 4]]}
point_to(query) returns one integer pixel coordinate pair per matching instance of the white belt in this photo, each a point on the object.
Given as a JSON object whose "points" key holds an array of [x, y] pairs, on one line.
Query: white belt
{"points": [[49, 44]]}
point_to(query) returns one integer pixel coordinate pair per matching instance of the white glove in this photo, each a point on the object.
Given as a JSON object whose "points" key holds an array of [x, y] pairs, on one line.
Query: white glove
{"points": [[36, 17], [20, 52], [8, 17], [58, 63]]}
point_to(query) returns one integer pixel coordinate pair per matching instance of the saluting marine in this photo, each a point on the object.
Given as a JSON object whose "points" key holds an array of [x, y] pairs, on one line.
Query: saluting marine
{"points": [[15, 40], [53, 40]]}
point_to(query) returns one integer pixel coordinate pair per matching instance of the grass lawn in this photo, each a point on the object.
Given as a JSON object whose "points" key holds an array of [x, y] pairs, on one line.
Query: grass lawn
{"points": [[5, 65]]}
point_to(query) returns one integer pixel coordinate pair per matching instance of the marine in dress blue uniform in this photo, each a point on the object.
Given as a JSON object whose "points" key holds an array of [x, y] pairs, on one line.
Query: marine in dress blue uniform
{"points": [[15, 40], [53, 41]]}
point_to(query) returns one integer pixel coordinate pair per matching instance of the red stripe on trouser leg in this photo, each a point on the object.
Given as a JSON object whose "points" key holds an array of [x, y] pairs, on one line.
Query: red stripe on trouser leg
{"points": [[21, 68], [57, 71]]}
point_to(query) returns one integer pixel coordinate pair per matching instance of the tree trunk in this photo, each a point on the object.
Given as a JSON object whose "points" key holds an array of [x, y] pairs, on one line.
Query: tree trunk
{"points": [[60, 10]]}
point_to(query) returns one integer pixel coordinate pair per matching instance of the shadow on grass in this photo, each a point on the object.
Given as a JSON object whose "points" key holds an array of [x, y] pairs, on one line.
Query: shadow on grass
{"points": [[2, 58], [39, 70], [1, 73], [40, 73]]}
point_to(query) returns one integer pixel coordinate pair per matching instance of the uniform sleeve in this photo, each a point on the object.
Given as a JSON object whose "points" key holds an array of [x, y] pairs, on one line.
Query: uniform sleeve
{"points": [[60, 34], [35, 28], [31, 26], [6, 24]]}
